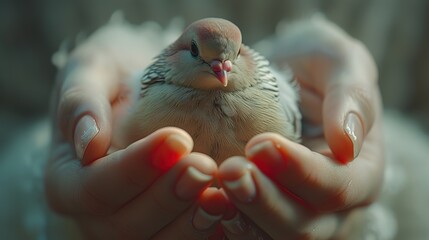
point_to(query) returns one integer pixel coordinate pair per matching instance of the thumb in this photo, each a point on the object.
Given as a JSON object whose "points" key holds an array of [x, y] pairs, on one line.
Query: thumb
{"points": [[348, 115], [352, 101], [84, 108]]}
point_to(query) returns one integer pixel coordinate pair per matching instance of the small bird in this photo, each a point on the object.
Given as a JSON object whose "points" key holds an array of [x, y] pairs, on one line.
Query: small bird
{"points": [[215, 88]]}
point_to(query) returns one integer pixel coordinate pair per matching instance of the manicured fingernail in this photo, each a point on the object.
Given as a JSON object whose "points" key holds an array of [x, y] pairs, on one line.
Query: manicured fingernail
{"points": [[86, 130], [192, 183], [170, 151], [235, 225], [243, 188], [267, 157], [354, 130], [203, 220]]}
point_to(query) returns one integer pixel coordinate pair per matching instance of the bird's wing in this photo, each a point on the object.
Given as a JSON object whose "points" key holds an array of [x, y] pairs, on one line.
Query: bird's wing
{"points": [[282, 87], [289, 99], [155, 73], [263, 75]]}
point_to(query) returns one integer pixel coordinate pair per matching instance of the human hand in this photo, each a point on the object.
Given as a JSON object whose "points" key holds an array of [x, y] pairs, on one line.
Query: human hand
{"points": [[149, 189], [312, 191]]}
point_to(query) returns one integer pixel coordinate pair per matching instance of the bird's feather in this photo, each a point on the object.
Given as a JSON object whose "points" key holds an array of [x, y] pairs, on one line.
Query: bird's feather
{"points": [[220, 121]]}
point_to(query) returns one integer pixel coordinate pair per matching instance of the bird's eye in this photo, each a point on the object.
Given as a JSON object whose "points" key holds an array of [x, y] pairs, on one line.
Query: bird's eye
{"points": [[194, 49]]}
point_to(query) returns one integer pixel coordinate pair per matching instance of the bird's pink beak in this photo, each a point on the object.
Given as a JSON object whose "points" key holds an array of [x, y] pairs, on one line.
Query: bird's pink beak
{"points": [[221, 69]]}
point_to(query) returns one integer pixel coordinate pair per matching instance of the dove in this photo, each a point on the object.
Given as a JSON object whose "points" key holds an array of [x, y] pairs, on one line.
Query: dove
{"points": [[217, 89]]}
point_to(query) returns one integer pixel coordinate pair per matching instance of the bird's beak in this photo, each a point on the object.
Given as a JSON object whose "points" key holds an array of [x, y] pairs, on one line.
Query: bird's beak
{"points": [[221, 70]]}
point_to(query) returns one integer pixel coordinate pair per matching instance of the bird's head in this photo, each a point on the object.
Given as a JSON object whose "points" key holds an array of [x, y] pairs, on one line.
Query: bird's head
{"points": [[205, 55]]}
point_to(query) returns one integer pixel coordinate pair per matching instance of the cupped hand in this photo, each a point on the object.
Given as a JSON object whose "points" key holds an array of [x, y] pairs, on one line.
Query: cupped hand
{"points": [[285, 190], [148, 190]]}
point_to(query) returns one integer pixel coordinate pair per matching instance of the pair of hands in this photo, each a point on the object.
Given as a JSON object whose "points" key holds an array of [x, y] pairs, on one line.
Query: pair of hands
{"points": [[157, 188]]}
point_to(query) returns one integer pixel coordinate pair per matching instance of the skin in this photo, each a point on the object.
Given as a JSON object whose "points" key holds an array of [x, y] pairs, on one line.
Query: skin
{"points": [[317, 197], [116, 195]]}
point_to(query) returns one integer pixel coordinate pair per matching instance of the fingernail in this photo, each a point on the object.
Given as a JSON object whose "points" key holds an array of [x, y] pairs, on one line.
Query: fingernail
{"points": [[203, 220], [235, 225], [170, 151], [354, 130], [243, 188], [192, 183], [266, 157], [86, 130]]}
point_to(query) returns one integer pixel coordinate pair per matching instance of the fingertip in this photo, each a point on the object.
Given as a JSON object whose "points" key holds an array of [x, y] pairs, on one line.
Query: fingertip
{"points": [[177, 134], [354, 130], [214, 201], [162, 149], [173, 144], [192, 183], [236, 176], [233, 168], [195, 172], [348, 116], [202, 162], [213, 205], [345, 138], [91, 139], [271, 152], [86, 129], [339, 142], [84, 118], [256, 140]]}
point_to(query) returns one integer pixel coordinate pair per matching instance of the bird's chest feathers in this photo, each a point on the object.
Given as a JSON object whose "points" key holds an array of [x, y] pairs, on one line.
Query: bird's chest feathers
{"points": [[213, 111], [220, 123]]}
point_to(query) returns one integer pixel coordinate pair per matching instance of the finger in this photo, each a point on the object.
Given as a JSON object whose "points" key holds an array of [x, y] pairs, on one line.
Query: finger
{"points": [[332, 67], [349, 113], [350, 107], [350, 102], [237, 178], [343, 97], [110, 182], [200, 221], [315, 178], [268, 207], [166, 199], [83, 112]]}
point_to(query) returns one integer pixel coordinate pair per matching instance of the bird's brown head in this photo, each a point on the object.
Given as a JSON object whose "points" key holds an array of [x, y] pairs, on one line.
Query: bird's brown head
{"points": [[205, 53]]}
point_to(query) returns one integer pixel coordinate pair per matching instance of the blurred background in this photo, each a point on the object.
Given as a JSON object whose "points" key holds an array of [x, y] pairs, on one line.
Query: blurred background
{"points": [[395, 31]]}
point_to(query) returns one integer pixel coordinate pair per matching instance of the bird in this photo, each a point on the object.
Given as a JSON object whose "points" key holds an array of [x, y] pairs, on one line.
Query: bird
{"points": [[220, 91]]}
